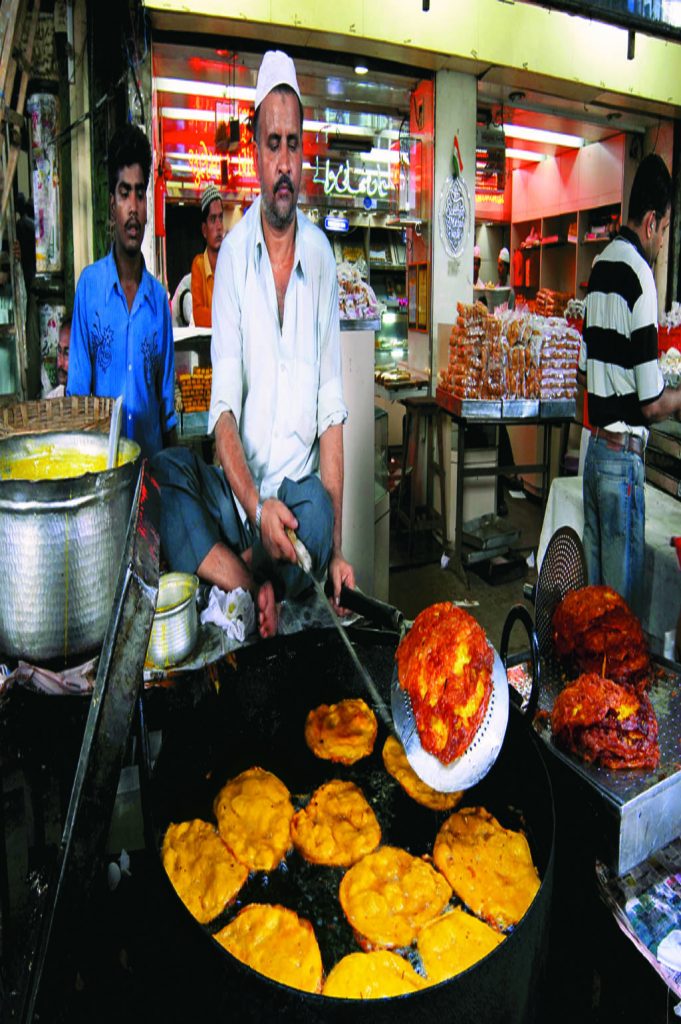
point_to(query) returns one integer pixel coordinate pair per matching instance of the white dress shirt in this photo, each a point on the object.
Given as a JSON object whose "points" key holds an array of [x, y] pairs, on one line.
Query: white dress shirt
{"points": [[282, 383]]}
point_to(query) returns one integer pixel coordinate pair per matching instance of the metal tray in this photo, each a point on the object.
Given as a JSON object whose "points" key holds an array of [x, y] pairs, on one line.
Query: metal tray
{"points": [[642, 808], [488, 532], [558, 408], [519, 408]]}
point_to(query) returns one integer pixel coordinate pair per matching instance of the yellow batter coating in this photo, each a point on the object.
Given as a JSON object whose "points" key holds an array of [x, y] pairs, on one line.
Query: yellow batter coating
{"points": [[397, 765], [254, 813], [205, 874], [343, 732], [489, 867], [389, 895], [337, 827], [372, 976], [453, 943], [277, 943]]}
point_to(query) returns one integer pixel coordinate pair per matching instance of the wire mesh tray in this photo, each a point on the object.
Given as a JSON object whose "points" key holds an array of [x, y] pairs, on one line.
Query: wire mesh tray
{"points": [[645, 805]]}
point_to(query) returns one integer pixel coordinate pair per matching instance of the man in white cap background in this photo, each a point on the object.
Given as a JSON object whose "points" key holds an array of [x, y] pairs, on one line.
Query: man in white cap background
{"points": [[277, 405], [503, 267], [203, 265]]}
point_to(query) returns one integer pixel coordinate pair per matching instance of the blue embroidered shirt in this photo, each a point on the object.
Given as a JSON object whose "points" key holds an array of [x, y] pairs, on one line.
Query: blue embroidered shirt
{"points": [[115, 352]]}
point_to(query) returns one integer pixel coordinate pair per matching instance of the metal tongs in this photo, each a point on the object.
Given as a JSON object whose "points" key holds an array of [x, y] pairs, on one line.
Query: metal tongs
{"points": [[477, 760]]}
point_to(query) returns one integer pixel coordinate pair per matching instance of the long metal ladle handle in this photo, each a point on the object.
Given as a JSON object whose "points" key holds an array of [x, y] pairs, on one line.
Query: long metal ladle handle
{"points": [[305, 563]]}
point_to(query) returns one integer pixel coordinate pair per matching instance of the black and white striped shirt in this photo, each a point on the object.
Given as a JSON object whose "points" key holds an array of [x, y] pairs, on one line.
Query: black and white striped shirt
{"points": [[619, 346]]}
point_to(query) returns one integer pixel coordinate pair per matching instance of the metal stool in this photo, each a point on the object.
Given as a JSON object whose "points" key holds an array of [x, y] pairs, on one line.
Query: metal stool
{"points": [[424, 411]]}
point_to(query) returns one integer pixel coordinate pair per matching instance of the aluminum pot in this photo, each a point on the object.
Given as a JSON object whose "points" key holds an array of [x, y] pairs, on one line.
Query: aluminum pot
{"points": [[61, 543], [176, 626]]}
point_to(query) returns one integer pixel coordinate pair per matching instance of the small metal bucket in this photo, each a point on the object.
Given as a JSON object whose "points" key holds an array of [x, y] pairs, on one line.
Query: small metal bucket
{"points": [[175, 627]]}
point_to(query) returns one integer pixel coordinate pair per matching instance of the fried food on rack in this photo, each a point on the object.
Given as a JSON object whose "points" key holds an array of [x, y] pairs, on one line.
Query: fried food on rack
{"points": [[397, 765], [453, 943], [343, 732], [337, 827], [389, 895], [608, 724], [373, 975], [254, 813], [595, 630], [445, 665], [274, 941], [489, 867], [205, 874]]}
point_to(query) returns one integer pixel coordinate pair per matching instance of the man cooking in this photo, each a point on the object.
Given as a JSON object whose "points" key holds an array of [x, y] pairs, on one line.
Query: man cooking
{"points": [[503, 267], [121, 335], [277, 405]]}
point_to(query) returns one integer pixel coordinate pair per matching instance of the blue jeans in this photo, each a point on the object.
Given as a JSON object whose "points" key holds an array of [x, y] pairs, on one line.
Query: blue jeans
{"points": [[198, 510], [614, 520]]}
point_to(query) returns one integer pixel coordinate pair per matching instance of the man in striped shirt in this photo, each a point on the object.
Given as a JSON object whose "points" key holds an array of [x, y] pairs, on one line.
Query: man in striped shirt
{"points": [[626, 391]]}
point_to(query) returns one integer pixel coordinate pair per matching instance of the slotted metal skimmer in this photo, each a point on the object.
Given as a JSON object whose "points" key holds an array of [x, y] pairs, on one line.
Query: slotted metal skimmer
{"points": [[563, 569]]}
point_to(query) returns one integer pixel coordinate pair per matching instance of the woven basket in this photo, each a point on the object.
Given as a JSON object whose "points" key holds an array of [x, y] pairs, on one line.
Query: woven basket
{"points": [[76, 412]]}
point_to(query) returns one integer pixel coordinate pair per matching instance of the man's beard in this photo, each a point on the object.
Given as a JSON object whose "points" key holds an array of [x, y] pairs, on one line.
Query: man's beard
{"points": [[275, 218]]}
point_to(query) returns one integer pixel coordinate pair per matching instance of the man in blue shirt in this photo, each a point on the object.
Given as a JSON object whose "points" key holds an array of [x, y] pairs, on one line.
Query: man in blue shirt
{"points": [[121, 335]]}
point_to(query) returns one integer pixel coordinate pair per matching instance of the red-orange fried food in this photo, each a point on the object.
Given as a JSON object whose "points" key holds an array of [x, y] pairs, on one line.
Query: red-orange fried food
{"points": [[606, 723], [595, 631], [343, 732], [445, 665]]}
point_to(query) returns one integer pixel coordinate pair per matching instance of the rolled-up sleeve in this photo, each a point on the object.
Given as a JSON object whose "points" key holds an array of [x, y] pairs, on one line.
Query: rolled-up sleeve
{"points": [[331, 408], [226, 345]]}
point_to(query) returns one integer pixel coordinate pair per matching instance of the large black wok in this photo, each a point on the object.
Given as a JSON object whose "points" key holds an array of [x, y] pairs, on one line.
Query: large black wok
{"points": [[251, 711]]}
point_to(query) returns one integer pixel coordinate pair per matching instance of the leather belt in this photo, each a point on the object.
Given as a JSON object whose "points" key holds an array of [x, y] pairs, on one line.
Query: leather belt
{"points": [[620, 442]]}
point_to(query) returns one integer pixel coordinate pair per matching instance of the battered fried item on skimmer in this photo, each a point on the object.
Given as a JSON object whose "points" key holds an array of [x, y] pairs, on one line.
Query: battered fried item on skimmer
{"points": [[489, 867], [396, 764], [453, 943], [609, 724], [445, 665], [389, 895], [595, 630], [254, 813], [343, 732], [276, 942], [372, 976], [205, 874], [337, 827]]}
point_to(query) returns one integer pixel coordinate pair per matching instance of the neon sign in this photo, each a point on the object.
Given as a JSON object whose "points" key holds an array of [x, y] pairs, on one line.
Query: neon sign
{"points": [[205, 166], [346, 180]]}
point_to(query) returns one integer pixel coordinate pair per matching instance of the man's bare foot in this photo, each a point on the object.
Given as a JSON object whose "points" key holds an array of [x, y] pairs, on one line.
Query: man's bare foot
{"points": [[267, 610]]}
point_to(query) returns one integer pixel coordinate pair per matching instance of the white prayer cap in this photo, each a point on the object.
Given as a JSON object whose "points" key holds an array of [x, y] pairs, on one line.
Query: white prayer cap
{"points": [[476, 252], [504, 255], [277, 68]]}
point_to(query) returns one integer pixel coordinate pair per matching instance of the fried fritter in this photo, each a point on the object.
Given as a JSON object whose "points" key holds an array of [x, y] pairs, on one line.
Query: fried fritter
{"points": [[274, 941], [337, 827], [595, 631], [389, 895], [489, 867], [372, 976], [205, 874], [397, 765], [445, 665], [605, 723], [453, 943], [343, 732], [254, 813]]}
